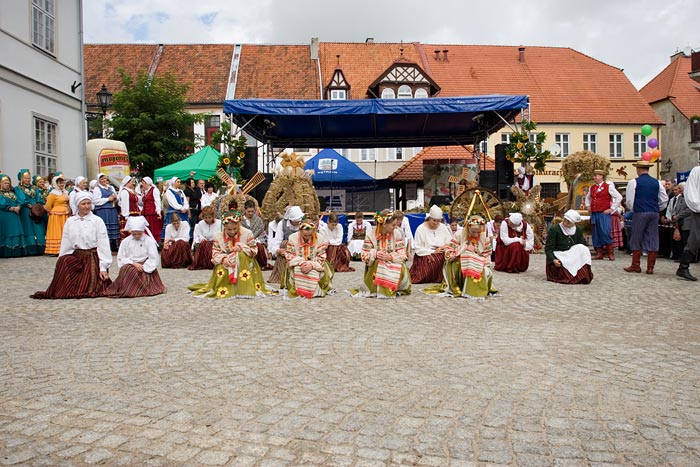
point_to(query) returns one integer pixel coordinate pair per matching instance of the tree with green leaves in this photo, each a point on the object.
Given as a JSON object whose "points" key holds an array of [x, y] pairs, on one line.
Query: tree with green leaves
{"points": [[150, 117], [232, 157]]}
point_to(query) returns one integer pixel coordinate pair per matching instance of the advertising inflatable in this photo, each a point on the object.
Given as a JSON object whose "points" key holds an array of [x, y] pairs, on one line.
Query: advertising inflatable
{"points": [[109, 157]]}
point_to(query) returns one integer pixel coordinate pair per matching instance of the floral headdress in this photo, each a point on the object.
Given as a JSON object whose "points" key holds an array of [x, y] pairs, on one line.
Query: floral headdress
{"points": [[235, 216], [476, 220], [307, 224], [380, 219]]}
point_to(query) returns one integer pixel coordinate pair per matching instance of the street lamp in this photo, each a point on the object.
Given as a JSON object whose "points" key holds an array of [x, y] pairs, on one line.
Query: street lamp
{"points": [[104, 101]]}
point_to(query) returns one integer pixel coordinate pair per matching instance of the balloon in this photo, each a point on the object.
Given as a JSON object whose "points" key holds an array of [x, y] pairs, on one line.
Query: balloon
{"points": [[653, 143], [646, 156], [655, 154], [647, 130]]}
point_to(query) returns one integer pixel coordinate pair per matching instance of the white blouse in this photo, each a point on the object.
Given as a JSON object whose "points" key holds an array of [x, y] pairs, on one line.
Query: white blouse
{"points": [[204, 231], [86, 233], [428, 240], [183, 233], [144, 250], [333, 236]]}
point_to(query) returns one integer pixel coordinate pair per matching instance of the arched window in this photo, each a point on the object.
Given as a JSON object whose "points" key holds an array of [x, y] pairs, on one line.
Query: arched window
{"points": [[405, 92], [388, 93], [421, 93]]}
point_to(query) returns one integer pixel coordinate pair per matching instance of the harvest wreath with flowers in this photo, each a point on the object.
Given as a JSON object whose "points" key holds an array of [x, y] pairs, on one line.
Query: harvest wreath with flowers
{"points": [[522, 148]]}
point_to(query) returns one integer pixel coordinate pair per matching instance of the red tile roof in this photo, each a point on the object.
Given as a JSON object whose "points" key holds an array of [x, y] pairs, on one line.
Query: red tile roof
{"points": [[673, 83], [277, 72], [412, 170]]}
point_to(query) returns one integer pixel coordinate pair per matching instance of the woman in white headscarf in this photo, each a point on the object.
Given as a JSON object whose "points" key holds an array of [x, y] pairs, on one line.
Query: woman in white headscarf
{"points": [[568, 256], [58, 207], [514, 244], [138, 263], [104, 196], [128, 203], [82, 269], [177, 203], [81, 186], [430, 243], [152, 209]]}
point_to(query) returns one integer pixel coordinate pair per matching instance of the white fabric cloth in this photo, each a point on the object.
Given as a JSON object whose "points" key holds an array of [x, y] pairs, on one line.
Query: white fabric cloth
{"points": [[572, 216], [516, 219], [435, 212], [183, 233], [574, 258], [136, 223], [529, 235], [427, 239], [691, 193], [332, 236], [204, 231], [614, 194], [144, 250], [207, 199], [73, 198], [295, 214], [148, 180], [85, 233], [173, 202], [355, 246], [631, 188], [406, 229]]}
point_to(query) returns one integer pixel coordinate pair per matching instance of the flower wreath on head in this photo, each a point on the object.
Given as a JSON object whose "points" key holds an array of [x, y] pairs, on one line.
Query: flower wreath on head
{"points": [[307, 224], [380, 219], [235, 216], [475, 220]]}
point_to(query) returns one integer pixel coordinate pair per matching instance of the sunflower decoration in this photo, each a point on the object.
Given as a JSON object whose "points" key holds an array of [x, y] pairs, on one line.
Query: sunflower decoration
{"points": [[221, 292], [220, 273], [258, 286], [231, 161], [524, 149], [244, 275]]}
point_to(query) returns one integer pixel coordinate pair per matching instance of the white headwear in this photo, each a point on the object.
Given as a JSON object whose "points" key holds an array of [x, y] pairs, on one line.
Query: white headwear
{"points": [[79, 179], [572, 216], [125, 180], [100, 175], [138, 223], [295, 213], [515, 218], [521, 170], [172, 181], [435, 212], [93, 184], [81, 196], [148, 180]]}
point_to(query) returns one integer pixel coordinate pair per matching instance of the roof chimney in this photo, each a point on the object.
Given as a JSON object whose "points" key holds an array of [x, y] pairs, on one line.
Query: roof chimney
{"points": [[677, 55], [444, 54], [437, 55], [314, 48], [521, 54], [369, 40]]}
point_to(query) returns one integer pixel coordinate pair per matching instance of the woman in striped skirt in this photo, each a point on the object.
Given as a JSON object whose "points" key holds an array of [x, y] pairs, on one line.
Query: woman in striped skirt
{"points": [[431, 239], [308, 273], [337, 252], [176, 245], [82, 269], [138, 263], [203, 239]]}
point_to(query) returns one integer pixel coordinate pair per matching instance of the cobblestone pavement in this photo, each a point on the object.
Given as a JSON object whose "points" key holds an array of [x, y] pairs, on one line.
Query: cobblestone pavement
{"points": [[544, 375]]}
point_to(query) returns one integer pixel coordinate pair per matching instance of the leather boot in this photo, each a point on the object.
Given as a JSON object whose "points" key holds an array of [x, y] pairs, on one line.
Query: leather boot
{"points": [[599, 253], [636, 257], [651, 261], [683, 270], [611, 252]]}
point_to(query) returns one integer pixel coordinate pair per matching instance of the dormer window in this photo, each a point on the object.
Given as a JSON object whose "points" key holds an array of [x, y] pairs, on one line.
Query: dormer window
{"points": [[403, 80], [338, 94], [338, 89], [405, 92], [388, 93], [420, 93]]}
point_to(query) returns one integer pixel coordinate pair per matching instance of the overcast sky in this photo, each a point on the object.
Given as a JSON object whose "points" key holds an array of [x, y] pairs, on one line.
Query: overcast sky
{"points": [[638, 36]]}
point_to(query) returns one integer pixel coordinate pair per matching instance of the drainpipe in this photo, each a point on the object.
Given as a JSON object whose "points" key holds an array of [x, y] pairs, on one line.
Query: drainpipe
{"points": [[83, 103]]}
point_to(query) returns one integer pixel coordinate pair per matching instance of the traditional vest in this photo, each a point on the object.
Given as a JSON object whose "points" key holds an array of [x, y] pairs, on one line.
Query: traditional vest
{"points": [[133, 204], [512, 233], [358, 234], [149, 203], [105, 193], [600, 197], [646, 194]]}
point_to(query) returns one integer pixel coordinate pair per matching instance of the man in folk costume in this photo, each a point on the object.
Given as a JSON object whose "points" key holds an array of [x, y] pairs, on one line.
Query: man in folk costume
{"points": [[308, 273], [515, 241], [128, 203], [236, 273], [431, 239], [691, 221], [138, 263], [253, 222], [384, 253], [468, 263], [602, 200], [646, 196], [568, 256]]}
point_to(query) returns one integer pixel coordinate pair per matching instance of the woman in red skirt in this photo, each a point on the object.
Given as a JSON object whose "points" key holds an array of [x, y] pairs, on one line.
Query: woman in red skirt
{"points": [[337, 252], [152, 207], [203, 239], [176, 247], [82, 269]]}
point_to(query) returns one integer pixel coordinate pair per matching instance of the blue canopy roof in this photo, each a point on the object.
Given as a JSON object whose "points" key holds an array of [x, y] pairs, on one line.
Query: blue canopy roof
{"points": [[437, 121], [330, 168]]}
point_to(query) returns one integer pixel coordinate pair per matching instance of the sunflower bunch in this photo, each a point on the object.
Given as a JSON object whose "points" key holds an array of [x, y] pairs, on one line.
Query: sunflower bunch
{"points": [[232, 161], [521, 148]]}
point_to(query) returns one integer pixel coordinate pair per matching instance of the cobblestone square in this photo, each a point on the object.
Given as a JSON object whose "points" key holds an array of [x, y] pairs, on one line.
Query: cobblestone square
{"points": [[544, 375]]}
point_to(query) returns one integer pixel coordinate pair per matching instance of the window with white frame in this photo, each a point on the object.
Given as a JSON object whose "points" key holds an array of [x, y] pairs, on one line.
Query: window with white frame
{"points": [[344, 152], [388, 93], [562, 139], [484, 146], [404, 92], [368, 154], [640, 145], [505, 138], [395, 154], [615, 145], [590, 142], [421, 93], [43, 25], [338, 94], [45, 149]]}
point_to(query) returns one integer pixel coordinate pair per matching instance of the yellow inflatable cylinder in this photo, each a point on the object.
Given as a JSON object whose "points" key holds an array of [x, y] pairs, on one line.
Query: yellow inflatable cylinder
{"points": [[109, 157]]}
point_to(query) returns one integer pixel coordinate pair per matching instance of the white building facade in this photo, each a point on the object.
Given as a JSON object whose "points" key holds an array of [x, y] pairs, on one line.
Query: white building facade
{"points": [[42, 127]]}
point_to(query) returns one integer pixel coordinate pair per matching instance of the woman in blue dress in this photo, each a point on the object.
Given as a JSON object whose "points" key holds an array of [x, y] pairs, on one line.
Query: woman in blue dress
{"points": [[104, 199], [34, 227], [11, 233], [177, 202]]}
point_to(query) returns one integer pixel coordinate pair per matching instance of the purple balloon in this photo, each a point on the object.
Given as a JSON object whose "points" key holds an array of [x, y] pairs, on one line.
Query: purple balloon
{"points": [[653, 143]]}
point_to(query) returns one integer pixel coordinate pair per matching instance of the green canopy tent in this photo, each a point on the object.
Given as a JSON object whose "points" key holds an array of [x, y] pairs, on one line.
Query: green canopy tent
{"points": [[203, 162]]}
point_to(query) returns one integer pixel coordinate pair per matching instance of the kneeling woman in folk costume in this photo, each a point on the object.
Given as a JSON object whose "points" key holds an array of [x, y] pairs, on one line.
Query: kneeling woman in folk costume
{"points": [[84, 257], [568, 256], [203, 239], [384, 253], [514, 244], [176, 244], [468, 263], [432, 236], [138, 262], [236, 273], [308, 273], [337, 253]]}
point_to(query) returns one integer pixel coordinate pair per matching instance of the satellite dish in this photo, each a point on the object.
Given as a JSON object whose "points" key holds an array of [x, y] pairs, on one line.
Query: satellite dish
{"points": [[555, 149]]}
